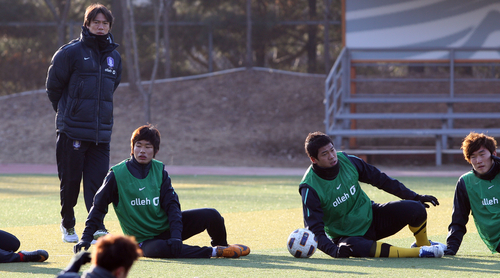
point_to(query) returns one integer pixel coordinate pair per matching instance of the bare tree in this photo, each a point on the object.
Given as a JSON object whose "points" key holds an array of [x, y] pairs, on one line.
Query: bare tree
{"points": [[312, 43], [60, 12], [166, 36], [326, 36], [132, 55], [158, 11], [249, 33], [127, 45]]}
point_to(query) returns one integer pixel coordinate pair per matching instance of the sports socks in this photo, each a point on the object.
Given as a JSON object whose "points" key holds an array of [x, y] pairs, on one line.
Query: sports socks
{"points": [[420, 234], [384, 250]]}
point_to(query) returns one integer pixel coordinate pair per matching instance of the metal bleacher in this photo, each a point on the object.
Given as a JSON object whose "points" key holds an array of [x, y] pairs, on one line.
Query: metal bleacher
{"points": [[344, 120]]}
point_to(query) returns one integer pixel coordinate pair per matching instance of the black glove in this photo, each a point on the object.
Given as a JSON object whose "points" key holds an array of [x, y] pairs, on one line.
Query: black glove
{"points": [[77, 261], [82, 244], [426, 199], [450, 252], [344, 250], [175, 246]]}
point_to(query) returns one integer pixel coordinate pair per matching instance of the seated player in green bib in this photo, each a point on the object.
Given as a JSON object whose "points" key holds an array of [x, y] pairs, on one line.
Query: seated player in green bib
{"points": [[148, 208], [477, 191], [344, 219]]}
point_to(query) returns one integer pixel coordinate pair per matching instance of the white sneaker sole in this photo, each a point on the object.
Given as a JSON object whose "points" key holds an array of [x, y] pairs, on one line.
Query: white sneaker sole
{"points": [[72, 240], [68, 238]]}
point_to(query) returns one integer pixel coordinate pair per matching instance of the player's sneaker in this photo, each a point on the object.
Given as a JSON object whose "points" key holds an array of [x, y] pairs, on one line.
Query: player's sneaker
{"points": [[69, 235], [414, 245], [433, 251], [98, 234], [231, 251], [33, 256], [245, 250]]}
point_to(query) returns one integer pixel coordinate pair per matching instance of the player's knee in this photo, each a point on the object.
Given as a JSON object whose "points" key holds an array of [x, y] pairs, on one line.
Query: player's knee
{"points": [[213, 214], [156, 249], [419, 213]]}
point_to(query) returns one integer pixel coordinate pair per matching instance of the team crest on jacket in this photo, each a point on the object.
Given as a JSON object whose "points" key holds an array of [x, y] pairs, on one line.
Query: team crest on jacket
{"points": [[111, 62]]}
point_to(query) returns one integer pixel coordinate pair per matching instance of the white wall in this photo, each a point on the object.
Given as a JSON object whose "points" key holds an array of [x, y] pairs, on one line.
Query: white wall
{"points": [[423, 24]]}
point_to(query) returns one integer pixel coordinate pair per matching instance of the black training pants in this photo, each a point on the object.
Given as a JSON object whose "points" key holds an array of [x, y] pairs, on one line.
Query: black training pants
{"points": [[77, 159], [388, 219], [194, 222]]}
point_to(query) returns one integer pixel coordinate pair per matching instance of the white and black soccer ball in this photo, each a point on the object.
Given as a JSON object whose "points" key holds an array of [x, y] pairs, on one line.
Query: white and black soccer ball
{"points": [[302, 243]]}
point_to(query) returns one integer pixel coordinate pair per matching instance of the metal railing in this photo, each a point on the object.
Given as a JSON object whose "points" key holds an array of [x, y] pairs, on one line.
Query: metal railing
{"points": [[338, 98]]}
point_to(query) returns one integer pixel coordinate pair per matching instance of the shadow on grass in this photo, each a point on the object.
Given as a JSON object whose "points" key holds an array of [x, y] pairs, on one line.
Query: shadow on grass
{"points": [[487, 264], [470, 264], [455, 265], [30, 268], [460, 265], [270, 262]]}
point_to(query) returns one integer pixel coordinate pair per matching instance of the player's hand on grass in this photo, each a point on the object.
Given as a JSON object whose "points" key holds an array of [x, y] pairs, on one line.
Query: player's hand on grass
{"points": [[427, 199], [82, 244], [449, 252], [77, 261], [344, 250], [175, 246]]}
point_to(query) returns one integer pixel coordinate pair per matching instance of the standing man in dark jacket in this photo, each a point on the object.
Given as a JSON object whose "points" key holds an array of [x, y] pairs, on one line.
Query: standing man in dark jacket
{"points": [[477, 191], [344, 219], [80, 84]]}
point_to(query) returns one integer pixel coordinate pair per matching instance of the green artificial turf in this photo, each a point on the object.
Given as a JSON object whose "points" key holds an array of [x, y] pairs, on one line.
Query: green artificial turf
{"points": [[259, 212]]}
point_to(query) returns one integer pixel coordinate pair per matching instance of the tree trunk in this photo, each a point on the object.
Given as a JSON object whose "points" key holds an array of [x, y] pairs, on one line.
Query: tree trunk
{"points": [[158, 11], [326, 37], [117, 28], [249, 34], [132, 55], [60, 16], [166, 38], [311, 41], [127, 45]]}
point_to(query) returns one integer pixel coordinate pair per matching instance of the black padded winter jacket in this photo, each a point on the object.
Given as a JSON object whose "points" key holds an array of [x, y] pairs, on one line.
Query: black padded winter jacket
{"points": [[80, 84]]}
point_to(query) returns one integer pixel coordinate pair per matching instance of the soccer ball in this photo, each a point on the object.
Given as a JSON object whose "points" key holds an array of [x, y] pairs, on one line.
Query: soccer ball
{"points": [[302, 243]]}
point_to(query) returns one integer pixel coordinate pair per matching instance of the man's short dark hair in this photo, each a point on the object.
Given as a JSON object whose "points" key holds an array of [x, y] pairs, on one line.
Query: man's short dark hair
{"points": [[93, 10], [474, 141], [148, 133], [114, 251], [315, 141]]}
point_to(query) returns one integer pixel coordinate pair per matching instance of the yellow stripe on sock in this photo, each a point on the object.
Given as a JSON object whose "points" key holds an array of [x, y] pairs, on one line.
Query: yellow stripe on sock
{"points": [[420, 234]]}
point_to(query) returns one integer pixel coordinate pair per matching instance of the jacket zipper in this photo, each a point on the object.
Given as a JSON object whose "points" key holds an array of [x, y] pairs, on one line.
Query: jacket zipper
{"points": [[98, 99], [79, 91]]}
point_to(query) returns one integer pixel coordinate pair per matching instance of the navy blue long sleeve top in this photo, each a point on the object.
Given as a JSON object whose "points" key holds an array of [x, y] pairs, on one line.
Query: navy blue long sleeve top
{"points": [[108, 193]]}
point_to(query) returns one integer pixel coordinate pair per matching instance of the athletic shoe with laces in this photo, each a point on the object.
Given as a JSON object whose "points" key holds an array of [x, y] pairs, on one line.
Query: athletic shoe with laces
{"points": [[433, 251], [414, 245], [33, 256], [98, 234], [231, 251], [245, 250], [69, 235]]}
